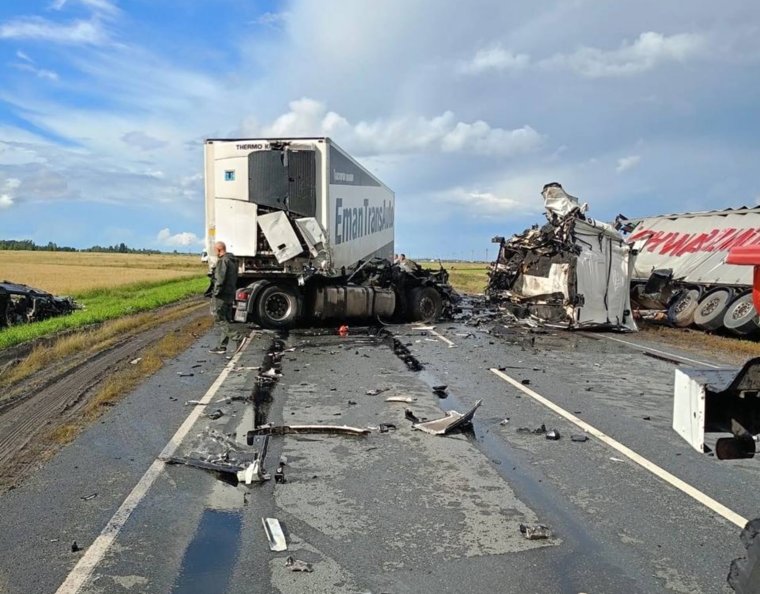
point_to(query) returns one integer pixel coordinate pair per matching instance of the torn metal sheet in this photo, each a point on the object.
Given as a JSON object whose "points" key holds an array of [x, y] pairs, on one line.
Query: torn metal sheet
{"points": [[535, 532], [21, 304], [573, 271], [407, 399], [452, 421], [279, 233], [275, 535], [313, 234], [318, 429]]}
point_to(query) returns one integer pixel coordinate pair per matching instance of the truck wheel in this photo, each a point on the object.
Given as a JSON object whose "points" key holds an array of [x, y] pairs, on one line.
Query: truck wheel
{"points": [[712, 309], [277, 307], [740, 315], [426, 304], [681, 311]]}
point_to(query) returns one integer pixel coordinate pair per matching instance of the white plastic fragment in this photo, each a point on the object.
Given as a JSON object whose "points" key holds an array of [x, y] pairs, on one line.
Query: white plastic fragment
{"points": [[275, 535]]}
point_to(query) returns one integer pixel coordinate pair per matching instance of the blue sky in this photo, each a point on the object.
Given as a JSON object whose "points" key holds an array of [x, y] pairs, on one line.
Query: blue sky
{"points": [[641, 107]]}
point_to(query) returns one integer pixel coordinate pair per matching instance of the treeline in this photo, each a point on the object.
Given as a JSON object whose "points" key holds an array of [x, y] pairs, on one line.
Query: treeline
{"points": [[29, 246]]}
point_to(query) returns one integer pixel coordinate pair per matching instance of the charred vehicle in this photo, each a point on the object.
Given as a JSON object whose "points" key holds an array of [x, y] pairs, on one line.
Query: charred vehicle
{"points": [[313, 234], [20, 304], [681, 275], [572, 271]]}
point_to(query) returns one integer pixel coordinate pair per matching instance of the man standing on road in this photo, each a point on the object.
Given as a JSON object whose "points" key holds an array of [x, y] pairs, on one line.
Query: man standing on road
{"points": [[225, 284]]}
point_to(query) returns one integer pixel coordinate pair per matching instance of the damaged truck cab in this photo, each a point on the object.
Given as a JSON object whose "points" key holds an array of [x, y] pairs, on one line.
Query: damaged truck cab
{"points": [[312, 230]]}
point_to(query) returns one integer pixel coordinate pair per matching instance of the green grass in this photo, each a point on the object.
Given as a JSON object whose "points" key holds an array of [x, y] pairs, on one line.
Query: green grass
{"points": [[101, 305], [467, 277]]}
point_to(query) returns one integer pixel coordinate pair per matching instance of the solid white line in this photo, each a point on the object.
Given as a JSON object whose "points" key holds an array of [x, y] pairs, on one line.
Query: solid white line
{"points": [[432, 331], [650, 349], [97, 550], [663, 474]]}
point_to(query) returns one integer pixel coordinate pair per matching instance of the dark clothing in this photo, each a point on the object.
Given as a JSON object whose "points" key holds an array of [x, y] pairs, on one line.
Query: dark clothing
{"points": [[225, 278], [225, 284]]}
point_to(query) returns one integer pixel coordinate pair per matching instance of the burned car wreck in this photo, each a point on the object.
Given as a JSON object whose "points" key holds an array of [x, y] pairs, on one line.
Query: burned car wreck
{"points": [[573, 271], [21, 304]]}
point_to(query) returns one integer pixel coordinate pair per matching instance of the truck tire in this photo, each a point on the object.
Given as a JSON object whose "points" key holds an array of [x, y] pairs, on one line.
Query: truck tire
{"points": [[277, 307], [712, 309], [740, 315], [426, 304], [681, 311]]}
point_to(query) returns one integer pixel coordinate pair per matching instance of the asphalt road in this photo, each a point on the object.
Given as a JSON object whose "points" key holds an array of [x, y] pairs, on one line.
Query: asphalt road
{"points": [[395, 511]]}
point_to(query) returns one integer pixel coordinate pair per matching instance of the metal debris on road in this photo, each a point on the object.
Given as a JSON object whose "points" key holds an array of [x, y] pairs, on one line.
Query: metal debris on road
{"points": [[579, 438], [376, 391], [504, 422], [385, 427], [407, 399], [185, 374], [193, 403], [298, 565], [553, 435], [75, 548], [275, 535], [89, 497], [215, 414], [451, 422], [292, 429], [411, 416], [279, 475], [537, 431], [535, 531]]}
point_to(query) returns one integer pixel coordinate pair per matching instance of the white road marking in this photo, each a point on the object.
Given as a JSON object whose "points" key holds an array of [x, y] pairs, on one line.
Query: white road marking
{"points": [[98, 549], [663, 474], [651, 350], [432, 331]]}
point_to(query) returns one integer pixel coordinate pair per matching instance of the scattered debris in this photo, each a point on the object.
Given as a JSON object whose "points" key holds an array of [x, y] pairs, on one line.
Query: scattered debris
{"points": [[75, 548], [403, 353], [385, 427], [504, 422], [616, 459], [88, 497], [279, 475], [553, 435], [407, 399], [525, 382], [343, 330], [537, 431], [275, 535], [535, 531], [135, 361], [376, 391], [271, 373], [298, 565], [215, 414], [351, 402], [441, 388], [194, 403], [579, 438], [185, 374], [452, 421]]}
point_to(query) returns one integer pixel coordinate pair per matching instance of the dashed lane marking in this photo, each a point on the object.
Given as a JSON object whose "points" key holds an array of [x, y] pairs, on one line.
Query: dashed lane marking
{"points": [[661, 473]]}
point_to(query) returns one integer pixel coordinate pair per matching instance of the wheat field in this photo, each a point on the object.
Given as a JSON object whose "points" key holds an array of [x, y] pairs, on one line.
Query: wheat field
{"points": [[72, 273]]}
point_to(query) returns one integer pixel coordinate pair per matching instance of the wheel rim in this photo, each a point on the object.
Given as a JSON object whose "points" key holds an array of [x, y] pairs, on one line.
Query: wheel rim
{"points": [[683, 304], [427, 307], [278, 306], [709, 307], [741, 310]]}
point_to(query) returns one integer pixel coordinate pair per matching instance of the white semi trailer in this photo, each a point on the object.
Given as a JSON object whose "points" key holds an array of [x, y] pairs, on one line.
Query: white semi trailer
{"points": [[312, 231]]}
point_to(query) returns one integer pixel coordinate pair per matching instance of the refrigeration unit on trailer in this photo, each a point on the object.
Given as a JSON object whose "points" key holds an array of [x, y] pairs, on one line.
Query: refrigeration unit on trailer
{"points": [[313, 233], [681, 267]]}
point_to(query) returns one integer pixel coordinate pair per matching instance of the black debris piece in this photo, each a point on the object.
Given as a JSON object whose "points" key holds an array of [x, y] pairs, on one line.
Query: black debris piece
{"points": [[298, 565], [385, 427], [75, 548], [279, 475], [537, 431], [351, 402], [553, 435], [411, 416], [535, 531], [525, 382], [441, 388], [579, 438], [89, 497], [185, 374], [647, 418], [215, 414], [744, 574]]}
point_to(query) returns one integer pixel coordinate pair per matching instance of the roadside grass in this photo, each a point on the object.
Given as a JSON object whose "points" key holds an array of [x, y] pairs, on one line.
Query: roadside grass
{"points": [[126, 379], [103, 304], [467, 277], [734, 350], [93, 340]]}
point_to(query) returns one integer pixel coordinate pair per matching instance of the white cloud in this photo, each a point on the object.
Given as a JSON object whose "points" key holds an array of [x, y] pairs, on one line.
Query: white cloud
{"points": [[647, 52], [626, 163], [400, 134], [272, 19], [143, 141], [184, 239], [6, 201], [38, 72], [99, 6], [494, 58], [22, 56], [39, 29]]}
